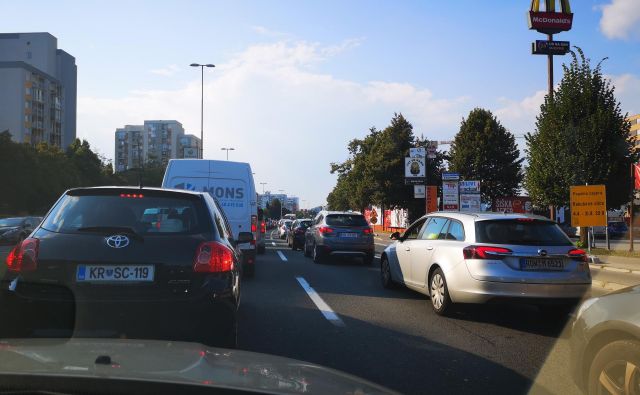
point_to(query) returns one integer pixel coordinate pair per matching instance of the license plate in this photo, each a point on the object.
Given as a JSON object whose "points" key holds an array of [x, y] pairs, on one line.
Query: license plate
{"points": [[348, 235], [114, 273], [542, 264]]}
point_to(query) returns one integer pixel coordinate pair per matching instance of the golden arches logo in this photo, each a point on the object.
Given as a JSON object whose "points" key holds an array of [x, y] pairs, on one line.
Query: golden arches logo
{"points": [[552, 20], [550, 6]]}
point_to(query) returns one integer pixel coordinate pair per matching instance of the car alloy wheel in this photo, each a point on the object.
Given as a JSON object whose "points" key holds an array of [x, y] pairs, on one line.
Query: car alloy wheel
{"points": [[437, 291], [616, 369], [316, 254], [385, 273]]}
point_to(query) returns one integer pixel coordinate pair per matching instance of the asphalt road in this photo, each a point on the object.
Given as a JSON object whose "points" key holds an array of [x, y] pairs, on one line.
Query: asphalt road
{"points": [[392, 337], [337, 314]]}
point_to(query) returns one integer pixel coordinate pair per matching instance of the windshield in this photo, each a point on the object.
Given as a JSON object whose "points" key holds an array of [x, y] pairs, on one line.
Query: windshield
{"points": [[436, 196], [6, 222], [346, 220], [521, 232], [147, 215]]}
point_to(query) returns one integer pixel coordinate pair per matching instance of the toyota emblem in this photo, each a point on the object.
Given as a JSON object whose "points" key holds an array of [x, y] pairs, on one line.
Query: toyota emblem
{"points": [[117, 241]]}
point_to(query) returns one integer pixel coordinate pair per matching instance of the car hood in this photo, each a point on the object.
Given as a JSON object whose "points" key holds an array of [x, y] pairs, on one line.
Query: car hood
{"points": [[175, 362]]}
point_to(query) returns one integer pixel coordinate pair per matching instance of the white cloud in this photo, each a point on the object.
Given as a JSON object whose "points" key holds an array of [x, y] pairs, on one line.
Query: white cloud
{"points": [[621, 19], [288, 121], [627, 92], [166, 71], [263, 31], [520, 116]]}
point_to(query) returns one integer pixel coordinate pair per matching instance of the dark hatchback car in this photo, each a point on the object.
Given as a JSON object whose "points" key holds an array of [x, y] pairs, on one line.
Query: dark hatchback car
{"points": [[605, 344], [295, 235], [126, 253], [618, 229], [14, 230], [340, 234]]}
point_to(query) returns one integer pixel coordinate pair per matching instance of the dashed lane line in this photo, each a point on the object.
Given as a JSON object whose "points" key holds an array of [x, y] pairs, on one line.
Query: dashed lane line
{"points": [[324, 308], [284, 258]]}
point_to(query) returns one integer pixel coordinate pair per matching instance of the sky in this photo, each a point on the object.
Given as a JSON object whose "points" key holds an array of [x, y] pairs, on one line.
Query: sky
{"points": [[295, 81]]}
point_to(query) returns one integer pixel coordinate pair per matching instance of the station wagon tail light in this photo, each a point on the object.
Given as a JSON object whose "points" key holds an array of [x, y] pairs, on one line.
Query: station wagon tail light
{"points": [[254, 223], [485, 252], [24, 257], [213, 257], [578, 254], [367, 231], [325, 230]]}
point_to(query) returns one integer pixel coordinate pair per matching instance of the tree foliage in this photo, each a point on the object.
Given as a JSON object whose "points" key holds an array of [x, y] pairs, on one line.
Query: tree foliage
{"points": [[374, 170], [485, 151], [581, 138], [32, 178]]}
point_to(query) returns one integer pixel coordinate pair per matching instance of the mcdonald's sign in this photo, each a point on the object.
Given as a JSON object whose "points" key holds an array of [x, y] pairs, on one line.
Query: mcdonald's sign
{"points": [[550, 21]]}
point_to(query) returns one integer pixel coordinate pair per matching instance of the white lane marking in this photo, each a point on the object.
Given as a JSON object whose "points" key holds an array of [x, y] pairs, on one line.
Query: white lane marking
{"points": [[273, 243], [324, 308], [284, 258]]}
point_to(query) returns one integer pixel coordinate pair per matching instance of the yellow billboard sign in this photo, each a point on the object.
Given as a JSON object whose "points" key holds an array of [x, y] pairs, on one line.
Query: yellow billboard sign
{"points": [[588, 205]]}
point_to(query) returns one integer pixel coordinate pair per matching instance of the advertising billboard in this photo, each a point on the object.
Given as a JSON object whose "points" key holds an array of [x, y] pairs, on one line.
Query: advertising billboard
{"points": [[470, 202], [513, 204], [588, 205], [450, 195], [414, 171]]}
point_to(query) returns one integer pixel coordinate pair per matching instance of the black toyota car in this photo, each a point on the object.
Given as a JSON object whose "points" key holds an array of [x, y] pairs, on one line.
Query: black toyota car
{"points": [[133, 259]]}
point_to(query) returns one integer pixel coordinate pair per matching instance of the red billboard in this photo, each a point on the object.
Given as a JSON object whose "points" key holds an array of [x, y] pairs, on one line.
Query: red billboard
{"points": [[636, 173], [513, 204], [550, 22]]}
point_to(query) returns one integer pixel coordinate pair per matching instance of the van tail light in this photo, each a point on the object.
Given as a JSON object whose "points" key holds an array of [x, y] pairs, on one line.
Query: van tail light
{"points": [[367, 231], [485, 252], [578, 255], [254, 223], [263, 227], [24, 256], [325, 230], [213, 257]]}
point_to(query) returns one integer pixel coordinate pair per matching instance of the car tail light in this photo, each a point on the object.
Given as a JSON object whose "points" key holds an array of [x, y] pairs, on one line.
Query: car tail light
{"points": [[485, 252], [325, 230], [24, 256], [263, 227], [578, 254], [213, 257], [254, 223], [367, 231]]}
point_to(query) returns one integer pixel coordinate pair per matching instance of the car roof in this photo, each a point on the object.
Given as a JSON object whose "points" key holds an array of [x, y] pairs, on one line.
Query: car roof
{"points": [[340, 212], [135, 189], [484, 216]]}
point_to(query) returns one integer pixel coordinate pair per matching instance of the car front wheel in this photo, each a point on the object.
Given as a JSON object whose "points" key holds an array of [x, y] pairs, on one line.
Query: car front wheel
{"points": [[385, 273], [439, 293], [616, 369]]}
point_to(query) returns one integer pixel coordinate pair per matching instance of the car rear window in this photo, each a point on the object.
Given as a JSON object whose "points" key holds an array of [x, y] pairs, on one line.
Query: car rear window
{"points": [[144, 215], [346, 220], [523, 231]]}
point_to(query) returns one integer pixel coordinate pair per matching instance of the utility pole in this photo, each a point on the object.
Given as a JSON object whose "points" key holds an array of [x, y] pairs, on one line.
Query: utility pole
{"points": [[631, 208]]}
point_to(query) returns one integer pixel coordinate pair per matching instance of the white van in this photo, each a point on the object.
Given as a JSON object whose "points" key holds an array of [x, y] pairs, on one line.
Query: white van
{"points": [[231, 184]]}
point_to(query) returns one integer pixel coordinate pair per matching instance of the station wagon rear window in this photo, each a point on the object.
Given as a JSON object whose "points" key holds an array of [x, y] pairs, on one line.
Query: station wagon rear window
{"points": [[521, 231], [144, 215], [346, 220]]}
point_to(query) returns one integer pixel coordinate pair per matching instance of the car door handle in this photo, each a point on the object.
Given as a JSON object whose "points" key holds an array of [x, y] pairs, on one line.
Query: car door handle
{"points": [[407, 248], [429, 248]]}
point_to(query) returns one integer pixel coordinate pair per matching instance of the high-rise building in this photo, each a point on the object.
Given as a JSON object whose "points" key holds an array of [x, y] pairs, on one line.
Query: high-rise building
{"points": [[154, 141], [635, 129], [38, 95]]}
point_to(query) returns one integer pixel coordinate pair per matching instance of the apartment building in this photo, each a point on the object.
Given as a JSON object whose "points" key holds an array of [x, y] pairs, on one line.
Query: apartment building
{"points": [[39, 89]]}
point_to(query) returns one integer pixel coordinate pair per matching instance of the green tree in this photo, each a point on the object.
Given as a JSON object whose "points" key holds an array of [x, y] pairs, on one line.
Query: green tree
{"points": [[581, 137], [485, 151]]}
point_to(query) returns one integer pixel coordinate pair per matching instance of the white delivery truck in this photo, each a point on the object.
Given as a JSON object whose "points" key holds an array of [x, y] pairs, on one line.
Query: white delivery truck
{"points": [[231, 184]]}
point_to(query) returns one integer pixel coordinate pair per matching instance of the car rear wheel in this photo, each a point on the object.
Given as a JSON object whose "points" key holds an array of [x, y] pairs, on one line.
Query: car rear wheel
{"points": [[385, 273], [317, 254], [307, 253], [616, 369], [439, 293]]}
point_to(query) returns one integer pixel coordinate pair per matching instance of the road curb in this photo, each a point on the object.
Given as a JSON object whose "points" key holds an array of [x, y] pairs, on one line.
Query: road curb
{"points": [[608, 285]]}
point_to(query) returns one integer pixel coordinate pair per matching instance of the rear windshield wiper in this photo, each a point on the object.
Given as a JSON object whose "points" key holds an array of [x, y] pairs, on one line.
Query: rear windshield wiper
{"points": [[112, 229]]}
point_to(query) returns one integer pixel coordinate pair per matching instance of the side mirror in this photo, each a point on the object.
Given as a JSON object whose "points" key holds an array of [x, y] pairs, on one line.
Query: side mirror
{"points": [[395, 236], [245, 237]]}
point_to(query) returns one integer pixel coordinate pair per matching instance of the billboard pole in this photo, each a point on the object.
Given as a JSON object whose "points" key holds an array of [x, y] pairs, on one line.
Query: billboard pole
{"points": [[631, 207]]}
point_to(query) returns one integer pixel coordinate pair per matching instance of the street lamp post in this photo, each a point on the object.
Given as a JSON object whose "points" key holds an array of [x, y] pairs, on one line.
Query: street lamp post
{"points": [[281, 203], [202, 66], [227, 149], [263, 184]]}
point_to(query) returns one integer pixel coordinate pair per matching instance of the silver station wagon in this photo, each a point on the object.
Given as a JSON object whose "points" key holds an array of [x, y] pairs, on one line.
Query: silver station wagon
{"points": [[487, 257]]}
